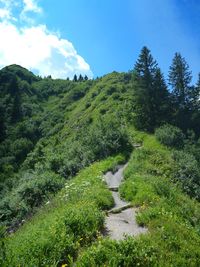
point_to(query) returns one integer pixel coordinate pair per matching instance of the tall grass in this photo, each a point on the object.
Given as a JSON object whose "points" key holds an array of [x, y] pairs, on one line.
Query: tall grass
{"points": [[172, 218], [71, 220]]}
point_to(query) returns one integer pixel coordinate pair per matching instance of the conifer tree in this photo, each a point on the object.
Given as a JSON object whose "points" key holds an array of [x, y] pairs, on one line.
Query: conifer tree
{"points": [[182, 93], [150, 92], [75, 78], [179, 79], [80, 79], [195, 107], [161, 99], [196, 95]]}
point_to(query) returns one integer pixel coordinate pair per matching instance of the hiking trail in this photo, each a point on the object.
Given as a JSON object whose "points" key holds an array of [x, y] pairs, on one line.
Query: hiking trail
{"points": [[121, 219]]}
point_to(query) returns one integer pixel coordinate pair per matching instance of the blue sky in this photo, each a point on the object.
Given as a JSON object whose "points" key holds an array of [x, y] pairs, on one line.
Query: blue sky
{"points": [[99, 36]]}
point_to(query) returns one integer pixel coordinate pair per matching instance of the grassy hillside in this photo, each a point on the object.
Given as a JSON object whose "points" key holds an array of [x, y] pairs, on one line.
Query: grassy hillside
{"points": [[172, 218], [70, 125], [74, 218], [58, 138]]}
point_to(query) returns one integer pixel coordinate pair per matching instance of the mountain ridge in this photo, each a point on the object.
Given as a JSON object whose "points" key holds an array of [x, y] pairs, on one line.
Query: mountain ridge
{"points": [[58, 138]]}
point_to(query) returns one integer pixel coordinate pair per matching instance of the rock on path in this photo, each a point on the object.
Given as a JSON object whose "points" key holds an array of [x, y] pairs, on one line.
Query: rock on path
{"points": [[121, 220]]}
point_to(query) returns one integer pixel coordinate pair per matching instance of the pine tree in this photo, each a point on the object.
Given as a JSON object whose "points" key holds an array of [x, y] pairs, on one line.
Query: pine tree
{"points": [[146, 66], [179, 79], [196, 94], [161, 99], [80, 79], [86, 78], [150, 92], [75, 78], [195, 107], [182, 93]]}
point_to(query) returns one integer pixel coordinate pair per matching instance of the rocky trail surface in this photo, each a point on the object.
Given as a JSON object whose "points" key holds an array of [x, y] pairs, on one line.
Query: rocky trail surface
{"points": [[121, 220]]}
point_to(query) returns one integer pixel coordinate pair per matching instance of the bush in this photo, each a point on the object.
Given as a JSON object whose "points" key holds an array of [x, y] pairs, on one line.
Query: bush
{"points": [[20, 148], [170, 136], [127, 253], [32, 191], [107, 137], [187, 171], [99, 140]]}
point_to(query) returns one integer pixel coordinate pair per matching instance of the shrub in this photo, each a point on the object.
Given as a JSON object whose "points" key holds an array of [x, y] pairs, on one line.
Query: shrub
{"points": [[20, 148], [107, 137], [32, 191], [126, 253], [170, 136], [187, 171]]}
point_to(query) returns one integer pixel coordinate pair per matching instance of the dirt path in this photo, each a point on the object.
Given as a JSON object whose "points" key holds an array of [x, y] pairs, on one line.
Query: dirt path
{"points": [[121, 220]]}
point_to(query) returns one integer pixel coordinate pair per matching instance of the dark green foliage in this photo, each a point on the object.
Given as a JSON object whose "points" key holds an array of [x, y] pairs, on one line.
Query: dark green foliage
{"points": [[180, 78], [32, 191], [55, 134], [2, 245], [18, 120], [185, 97], [186, 168], [80, 78], [187, 172], [161, 100], [151, 98], [170, 135], [2, 122], [192, 145], [75, 78], [21, 73]]}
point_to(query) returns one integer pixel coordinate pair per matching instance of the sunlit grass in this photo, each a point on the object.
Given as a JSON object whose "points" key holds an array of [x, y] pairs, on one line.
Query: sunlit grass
{"points": [[71, 220]]}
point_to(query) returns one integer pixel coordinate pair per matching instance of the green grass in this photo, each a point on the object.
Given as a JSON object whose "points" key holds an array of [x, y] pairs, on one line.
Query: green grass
{"points": [[71, 220], [172, 218]]}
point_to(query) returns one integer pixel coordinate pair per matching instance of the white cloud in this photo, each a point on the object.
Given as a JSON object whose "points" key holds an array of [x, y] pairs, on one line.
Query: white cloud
{"points": [[6, 10], [4, 14], [31, 5], [35, 47]]}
